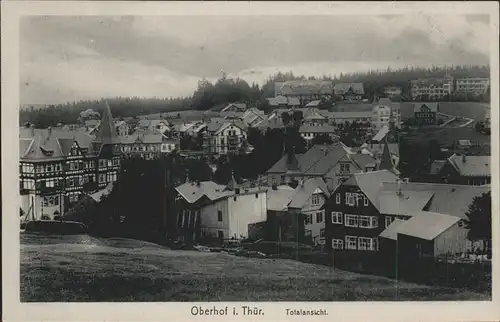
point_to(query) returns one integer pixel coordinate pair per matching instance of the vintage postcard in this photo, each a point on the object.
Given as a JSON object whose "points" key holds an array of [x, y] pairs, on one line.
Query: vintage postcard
{"points": [[250, 161]]}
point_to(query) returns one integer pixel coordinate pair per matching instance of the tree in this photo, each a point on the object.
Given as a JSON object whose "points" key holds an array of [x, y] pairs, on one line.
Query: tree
{"points": [[286, 117], [322, 139], [479, 220], [434, 150]]}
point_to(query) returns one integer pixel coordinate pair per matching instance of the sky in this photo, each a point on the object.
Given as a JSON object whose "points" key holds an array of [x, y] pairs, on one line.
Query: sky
{"points": [[69, 58]]}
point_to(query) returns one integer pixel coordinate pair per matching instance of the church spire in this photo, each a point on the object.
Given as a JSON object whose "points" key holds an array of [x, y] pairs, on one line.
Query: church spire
{"points": [[386, 160], [107, 131]]}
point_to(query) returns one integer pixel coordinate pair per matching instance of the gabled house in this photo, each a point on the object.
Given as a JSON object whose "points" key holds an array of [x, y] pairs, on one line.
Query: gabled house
{"points": [[353, 214], [209, 210], [295, 213], [223, 137], [122, 128], [426, 113], [445, 199], [463, 169], [349, 91], [283, 101], [146, 145], [425, 234], [315, 118], [330, 162], [58, 167], [305, 90]]}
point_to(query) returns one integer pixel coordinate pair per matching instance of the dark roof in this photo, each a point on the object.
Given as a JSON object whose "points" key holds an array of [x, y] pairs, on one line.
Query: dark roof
{"points": [[107, 131]]}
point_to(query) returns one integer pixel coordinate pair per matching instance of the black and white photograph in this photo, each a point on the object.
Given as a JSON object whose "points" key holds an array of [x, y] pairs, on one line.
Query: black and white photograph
{"points": [[241, 157]]}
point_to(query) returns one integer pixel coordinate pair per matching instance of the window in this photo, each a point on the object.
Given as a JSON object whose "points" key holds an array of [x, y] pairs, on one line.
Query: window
{"points": [[351, 220], [368, 222], [337, 198], [322, 233], [351, 242], [349, 199], [319, 217], [308, 219], [345, 167], [336, 217], [256, 196], [219, 215], [220, 234], [365, 201], [366, 243], [337, 244], [388, 221]]}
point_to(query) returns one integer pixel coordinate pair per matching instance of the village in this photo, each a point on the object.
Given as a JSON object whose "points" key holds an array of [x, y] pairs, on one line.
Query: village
{"points": [[345, 190]]}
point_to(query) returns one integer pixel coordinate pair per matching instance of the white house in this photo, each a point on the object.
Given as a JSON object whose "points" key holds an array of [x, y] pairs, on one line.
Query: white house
{"points": [[224, 137], [472, 86], [386, 112], [224, 211]]}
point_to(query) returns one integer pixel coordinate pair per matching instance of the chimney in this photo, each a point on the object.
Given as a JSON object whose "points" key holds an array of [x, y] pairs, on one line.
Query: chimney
{"points": [[49, 130], [198, 183], [464, 158], [399, 192], [32, 127]]}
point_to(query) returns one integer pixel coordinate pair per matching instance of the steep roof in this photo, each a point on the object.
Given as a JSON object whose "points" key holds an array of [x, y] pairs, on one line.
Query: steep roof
{"points": [[45, 144], [314, 116], [278, 200], [305, 190], [282, 100], [447, 199], [422, 224], [107, 131], [192, 192], [239, 106], [390, 203], [370, 183], [471, 165], [386, 160], [342, 88]]}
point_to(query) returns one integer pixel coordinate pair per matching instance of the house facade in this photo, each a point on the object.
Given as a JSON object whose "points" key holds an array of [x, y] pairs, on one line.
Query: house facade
{"points": [[426, 113], [349, 91], [393, 91], [386, 113], [222, 212], [353, 219], [431, 88], [57, 167], [472, 86], [144, 145], [305, 90], [224, 137]]}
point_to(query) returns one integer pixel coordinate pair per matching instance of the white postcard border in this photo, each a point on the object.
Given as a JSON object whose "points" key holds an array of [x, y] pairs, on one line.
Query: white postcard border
{"points": [[372, 311]]}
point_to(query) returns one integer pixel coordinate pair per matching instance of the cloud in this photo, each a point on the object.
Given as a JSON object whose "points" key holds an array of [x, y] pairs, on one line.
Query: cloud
{"points": [[91, 56]]}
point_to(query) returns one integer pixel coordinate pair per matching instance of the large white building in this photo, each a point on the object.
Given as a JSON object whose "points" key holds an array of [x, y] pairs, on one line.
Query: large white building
{"points": [[472, 86], [386, 113], [431, 88]]}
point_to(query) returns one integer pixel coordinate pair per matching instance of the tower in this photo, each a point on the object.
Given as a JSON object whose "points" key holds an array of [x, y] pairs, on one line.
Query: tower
{"points": [[106, 147]]}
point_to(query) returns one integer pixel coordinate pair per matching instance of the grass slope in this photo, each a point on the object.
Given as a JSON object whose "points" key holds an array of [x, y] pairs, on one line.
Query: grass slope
{"points": [[123, 270]]}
